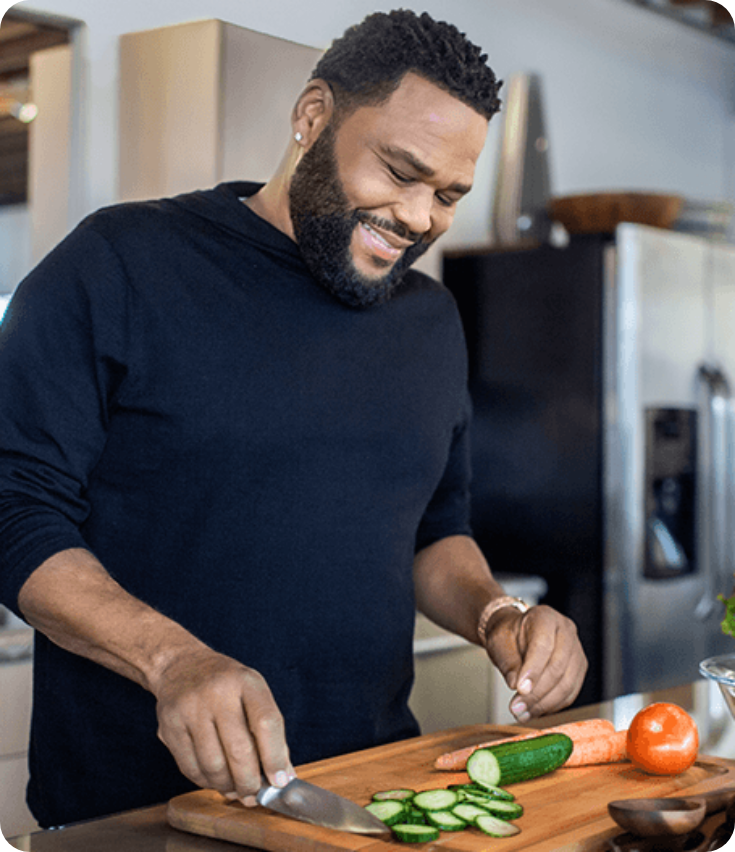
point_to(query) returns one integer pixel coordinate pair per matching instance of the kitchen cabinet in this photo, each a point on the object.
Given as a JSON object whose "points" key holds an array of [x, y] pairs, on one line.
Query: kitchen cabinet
{"points": [[455, 682], [204, 102], [51, 151], [15, 719], [23, 35]]}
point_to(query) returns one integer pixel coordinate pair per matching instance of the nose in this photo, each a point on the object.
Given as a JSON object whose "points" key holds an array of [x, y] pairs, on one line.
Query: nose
{"points": [[414, 209]]}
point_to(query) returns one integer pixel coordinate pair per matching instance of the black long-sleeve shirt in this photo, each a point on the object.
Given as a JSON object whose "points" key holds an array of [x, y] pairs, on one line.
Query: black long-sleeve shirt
{"points": [[241, 451]]}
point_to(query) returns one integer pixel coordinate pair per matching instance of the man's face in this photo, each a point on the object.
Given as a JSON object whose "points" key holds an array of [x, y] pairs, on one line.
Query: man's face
{"points": [[367, 200]]}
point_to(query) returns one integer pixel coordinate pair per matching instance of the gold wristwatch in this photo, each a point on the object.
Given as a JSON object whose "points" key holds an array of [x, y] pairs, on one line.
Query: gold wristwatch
{"points": [[492, 608]]}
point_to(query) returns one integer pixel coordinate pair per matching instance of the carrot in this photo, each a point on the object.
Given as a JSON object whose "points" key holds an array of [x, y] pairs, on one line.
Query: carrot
{"points": [[583, 732], [608, 748]]}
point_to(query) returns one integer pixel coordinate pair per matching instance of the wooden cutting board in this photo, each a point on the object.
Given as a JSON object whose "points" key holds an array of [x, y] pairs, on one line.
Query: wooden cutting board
{"points": [[566, 809]]}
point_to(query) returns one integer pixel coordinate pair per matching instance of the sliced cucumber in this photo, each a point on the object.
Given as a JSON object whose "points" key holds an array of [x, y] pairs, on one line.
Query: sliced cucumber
{"points": [[401, 795], [420, 817], [472, 799], [435, 800], [468, 791], [462, 793], [468, 812], [522, 760], [446, 821], [482, 800], [504, 810], [415, 833], [496, 827], [389, 812], [497, 793], [414, 816]]}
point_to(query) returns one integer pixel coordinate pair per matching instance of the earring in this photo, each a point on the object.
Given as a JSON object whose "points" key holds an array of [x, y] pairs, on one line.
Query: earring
{"points": [[298, 137]]}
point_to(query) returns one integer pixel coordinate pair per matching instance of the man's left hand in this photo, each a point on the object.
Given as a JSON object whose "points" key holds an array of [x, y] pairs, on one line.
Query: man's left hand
{"points": [[540, 656]]}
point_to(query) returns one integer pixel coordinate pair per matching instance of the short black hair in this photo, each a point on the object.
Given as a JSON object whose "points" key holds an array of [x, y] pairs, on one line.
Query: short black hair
{"points": [[366, 65]]}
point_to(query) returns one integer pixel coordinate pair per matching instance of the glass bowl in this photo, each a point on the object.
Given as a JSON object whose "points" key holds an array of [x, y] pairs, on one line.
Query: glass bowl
{"points": [[721, 670]]}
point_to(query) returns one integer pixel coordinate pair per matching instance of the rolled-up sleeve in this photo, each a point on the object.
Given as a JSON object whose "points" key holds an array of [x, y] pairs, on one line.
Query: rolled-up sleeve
{"points": [[62, 345]]}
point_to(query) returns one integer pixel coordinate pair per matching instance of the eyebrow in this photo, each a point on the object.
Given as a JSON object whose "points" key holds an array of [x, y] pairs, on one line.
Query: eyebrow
{"points": [[421, 167]]}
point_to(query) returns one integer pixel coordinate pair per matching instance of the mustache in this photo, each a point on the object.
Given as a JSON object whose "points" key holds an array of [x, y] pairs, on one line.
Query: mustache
{"points": [[388, 225]]}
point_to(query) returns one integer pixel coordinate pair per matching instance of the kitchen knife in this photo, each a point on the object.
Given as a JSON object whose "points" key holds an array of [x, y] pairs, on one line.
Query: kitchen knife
{"points": [[309, 803]]}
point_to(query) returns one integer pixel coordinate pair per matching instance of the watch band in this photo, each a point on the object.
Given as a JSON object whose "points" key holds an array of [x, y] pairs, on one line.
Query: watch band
{"points": [[492, 608]]}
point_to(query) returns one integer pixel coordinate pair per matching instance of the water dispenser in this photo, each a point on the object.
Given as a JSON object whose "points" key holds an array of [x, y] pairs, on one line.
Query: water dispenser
{"points": [[671, 449]]}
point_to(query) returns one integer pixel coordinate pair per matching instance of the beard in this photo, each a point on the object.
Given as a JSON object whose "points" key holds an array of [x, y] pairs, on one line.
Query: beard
{"points": [[324, 225]]}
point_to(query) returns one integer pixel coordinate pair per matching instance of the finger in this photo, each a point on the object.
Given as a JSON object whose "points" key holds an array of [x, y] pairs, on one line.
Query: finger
{"points": [[545, 658], [211, 758], [561, 691], [561, 678], [561, 695], [181, 746], [537, 642], [240, 752], [508, 662], [268, 730], [503, 650]]}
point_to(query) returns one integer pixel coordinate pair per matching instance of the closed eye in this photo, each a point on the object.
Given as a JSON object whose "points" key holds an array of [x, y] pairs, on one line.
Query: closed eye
{"points": [[406, 180], [399, 177], [444, 201]]}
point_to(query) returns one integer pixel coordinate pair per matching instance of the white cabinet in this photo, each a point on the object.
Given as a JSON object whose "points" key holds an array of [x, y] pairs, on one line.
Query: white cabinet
{"points": [[456, 684], [51, 152], [15, 718], [15, 707], [15, 818], [205, 102], [453, 679]]}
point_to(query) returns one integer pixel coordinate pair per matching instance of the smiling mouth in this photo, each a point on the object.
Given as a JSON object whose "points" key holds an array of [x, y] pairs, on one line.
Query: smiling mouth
{"points": [[381, 252], [379, 237], [384, 245]]}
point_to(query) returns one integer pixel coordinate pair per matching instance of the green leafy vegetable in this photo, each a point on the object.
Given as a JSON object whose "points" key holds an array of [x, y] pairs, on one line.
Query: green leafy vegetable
{"points": [[728, 622]]}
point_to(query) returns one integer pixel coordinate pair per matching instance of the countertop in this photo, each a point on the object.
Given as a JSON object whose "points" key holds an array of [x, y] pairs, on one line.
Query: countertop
{"points": [[146, 830]]}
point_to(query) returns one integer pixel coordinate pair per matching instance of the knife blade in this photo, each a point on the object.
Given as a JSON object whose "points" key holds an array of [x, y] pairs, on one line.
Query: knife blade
{"points": [[309, 803]]}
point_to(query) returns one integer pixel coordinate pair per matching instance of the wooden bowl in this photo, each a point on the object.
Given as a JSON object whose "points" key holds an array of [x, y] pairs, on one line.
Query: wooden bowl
{"points": [[658, 817], [600, 213]]}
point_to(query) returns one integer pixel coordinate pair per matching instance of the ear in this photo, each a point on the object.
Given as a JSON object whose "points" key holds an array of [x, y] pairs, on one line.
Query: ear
{"points": [[313, 111]]}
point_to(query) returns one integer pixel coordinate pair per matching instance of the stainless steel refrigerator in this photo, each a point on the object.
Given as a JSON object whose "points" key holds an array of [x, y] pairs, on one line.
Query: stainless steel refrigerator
{"points": [[603, 439]]}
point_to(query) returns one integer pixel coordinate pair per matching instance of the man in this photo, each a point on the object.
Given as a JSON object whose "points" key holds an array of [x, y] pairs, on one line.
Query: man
{"points": [[235, 453]]}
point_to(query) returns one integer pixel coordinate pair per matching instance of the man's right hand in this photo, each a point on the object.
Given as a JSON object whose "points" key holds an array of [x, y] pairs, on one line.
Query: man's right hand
{"points": [[221, 723], [217, 717]]}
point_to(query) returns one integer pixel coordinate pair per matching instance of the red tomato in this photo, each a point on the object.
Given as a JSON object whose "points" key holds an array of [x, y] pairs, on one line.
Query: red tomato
{"points": [[663, 739]]}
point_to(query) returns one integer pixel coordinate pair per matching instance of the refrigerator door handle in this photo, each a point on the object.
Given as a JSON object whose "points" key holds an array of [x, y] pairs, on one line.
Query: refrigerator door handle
{"points": [[716, 484]]}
